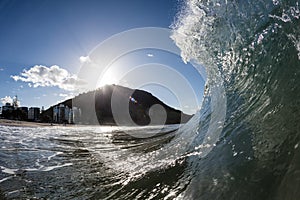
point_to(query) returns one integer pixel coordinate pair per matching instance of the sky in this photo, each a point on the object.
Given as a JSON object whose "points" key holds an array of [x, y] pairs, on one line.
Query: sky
{"points": [[45, 43]]}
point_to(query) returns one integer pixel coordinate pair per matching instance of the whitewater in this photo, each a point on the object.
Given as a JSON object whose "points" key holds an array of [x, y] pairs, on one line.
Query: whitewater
{"points": [[242, 144]]}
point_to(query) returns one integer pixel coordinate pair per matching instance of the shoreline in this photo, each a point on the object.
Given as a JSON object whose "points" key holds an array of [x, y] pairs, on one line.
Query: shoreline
{"points": [[16, 123], [9, 122]]}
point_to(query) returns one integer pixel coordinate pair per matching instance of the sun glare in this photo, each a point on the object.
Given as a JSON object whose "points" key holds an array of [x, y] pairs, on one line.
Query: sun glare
{"points": [[108, 78]]}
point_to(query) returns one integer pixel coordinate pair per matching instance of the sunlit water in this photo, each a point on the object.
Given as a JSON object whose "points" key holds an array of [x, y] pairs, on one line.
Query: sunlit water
{"points": [[67, 162]]}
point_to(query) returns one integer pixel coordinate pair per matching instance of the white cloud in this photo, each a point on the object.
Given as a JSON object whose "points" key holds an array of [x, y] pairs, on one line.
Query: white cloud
{"points": [[6, 99], [1, 69], [150, 55], [84, 59], [43, 76], [63, 95]]}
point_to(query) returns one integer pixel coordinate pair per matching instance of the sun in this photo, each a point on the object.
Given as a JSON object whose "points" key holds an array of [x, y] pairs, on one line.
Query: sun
{"points": [[109, 77]]}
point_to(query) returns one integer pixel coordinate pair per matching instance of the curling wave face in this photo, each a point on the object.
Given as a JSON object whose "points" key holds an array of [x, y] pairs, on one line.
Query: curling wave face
{"points": [[255, 47]]}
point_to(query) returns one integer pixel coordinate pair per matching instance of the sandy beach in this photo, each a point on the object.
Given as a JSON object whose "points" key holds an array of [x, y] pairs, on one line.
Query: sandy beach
{"points": [[6, 122]]}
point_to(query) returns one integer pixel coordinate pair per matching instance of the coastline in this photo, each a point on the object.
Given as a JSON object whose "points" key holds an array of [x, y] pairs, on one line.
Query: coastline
{"points": [[8, 122], [17, 123]]}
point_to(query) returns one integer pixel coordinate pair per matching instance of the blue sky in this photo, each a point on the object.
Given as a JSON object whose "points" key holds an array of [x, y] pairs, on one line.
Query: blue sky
{"points": [[50, 36]]}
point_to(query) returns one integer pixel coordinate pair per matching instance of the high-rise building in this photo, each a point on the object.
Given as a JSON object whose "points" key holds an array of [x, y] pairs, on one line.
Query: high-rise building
{"points": [[74, 115], [7, 111], [61, 114], [34, 113], [22, 113]]}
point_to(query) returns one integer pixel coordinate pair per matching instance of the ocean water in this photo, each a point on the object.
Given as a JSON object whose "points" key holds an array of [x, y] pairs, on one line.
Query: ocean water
{"points": [[242, 144], [76, 162]]}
